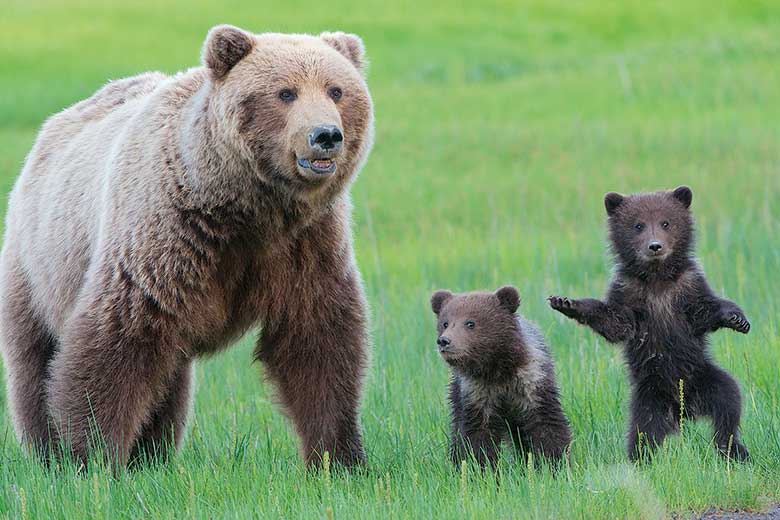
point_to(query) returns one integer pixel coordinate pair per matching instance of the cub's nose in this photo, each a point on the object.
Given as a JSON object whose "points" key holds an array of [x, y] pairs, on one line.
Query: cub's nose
{"points": [[443, 342], [326, 138], [655, 246]]}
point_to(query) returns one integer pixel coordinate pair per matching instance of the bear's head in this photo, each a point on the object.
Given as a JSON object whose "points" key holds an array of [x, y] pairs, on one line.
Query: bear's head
{"points": [[651, 233], [478, 332], [296, 107]]}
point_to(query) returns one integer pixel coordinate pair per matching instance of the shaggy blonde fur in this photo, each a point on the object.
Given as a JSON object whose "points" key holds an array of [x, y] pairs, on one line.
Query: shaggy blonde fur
{"points": [[163, 217]]}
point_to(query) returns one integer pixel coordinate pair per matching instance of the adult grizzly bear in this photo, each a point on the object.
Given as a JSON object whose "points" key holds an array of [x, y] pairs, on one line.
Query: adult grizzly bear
{"points": [[163, 217]]}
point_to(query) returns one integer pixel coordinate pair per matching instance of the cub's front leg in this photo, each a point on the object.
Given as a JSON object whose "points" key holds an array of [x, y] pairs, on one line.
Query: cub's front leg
{"points": [[708, 313], [614, 322], [472, 434]]}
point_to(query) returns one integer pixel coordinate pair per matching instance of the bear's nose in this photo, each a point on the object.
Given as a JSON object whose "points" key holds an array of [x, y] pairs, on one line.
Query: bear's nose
{"points": [[655, 246], [443, 341], [325, 138]]}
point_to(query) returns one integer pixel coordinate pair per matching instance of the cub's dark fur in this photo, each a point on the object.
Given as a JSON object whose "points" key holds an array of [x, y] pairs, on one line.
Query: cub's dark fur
{"points": [[661, 308], [503, 384]]}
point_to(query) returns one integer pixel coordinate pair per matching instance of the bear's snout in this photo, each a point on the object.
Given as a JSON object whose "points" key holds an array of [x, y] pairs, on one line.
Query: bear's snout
{"points": [[318, 149], [444, 343], [326, 139]]}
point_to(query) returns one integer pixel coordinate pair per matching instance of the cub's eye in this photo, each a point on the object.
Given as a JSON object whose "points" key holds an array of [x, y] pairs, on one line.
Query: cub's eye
{"points": [[445, 324], [665, 224], [470, 324], [639, 227], [335, 93], [287, 95]]}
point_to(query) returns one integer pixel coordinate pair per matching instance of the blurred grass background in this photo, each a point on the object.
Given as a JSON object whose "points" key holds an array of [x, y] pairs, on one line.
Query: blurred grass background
{"points": [[500, 125]]}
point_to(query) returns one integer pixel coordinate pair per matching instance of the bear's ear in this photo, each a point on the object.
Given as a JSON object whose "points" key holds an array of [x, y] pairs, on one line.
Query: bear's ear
{"points": [[612, 200], [225, 46], [509, 298], [350, 45], [684, 195], [438, 300]]}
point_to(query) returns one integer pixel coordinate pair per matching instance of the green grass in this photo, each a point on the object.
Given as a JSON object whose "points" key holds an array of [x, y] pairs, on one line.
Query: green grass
{"points": [[499, 129]]}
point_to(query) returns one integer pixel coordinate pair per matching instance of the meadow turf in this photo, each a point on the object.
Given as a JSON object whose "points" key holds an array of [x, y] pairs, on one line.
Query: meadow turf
{"points": [[498, 130]]}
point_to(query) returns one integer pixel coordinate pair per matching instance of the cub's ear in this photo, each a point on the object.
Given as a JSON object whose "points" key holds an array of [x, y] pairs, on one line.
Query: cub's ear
{"points": [[438, 300], [225, 46], [612, 200], [509, 298], [684, 195], [350, 45]]}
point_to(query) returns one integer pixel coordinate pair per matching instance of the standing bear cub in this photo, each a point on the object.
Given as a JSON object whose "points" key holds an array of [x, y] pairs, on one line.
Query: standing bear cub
{"points": [[661, 308], [503, 382], [159, 220]]}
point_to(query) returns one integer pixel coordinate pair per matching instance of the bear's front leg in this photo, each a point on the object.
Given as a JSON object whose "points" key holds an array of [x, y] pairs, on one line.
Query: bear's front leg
{"points": [[314, 347], [117, 355], [164, 432], [483, 443], [544, 431], [614, 322], [708, 313]]}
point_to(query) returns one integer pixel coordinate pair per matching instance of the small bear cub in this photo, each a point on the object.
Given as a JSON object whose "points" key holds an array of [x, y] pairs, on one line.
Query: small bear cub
{"points": [[660, 307], [503, 380]]}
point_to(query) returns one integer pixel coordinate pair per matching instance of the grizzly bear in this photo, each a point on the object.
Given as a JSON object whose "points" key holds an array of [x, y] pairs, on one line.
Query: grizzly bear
{"points": [[503, 379], [660, 307], [159, 220]]}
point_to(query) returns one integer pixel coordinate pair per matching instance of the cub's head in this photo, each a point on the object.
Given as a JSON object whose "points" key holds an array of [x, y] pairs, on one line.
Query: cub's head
{"points": [[296, 106], [477, 331], [651, 232]]}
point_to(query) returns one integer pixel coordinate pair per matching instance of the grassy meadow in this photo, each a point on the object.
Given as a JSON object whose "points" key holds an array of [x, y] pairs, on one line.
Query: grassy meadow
{"points": [[499, 127]]}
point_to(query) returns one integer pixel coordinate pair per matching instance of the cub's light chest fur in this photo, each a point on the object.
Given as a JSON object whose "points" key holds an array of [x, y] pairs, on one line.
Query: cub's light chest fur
{"points": [[519, 393], [659, 299]]}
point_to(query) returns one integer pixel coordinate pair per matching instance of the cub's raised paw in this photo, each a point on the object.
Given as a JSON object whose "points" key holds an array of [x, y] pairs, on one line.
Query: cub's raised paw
{"points": [[738, 322], [563, 305]]}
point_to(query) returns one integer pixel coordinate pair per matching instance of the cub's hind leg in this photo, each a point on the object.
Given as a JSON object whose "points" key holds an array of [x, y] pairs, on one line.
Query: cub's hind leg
{"points": [[654, 416], [716, 394], [27, 347]]}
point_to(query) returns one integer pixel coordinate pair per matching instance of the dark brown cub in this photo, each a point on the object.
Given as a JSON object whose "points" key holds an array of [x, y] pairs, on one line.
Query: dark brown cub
{"points": [[660, 307], [503, 379]]}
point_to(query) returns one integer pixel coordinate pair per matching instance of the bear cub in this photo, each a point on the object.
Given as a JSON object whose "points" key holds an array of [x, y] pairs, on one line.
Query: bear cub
{"points": [[660, 307], [503, 379]]}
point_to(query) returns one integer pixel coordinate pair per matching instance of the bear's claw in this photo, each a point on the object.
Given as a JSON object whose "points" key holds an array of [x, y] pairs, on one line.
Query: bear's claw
{"points": [[561, 303], [739, 323]]}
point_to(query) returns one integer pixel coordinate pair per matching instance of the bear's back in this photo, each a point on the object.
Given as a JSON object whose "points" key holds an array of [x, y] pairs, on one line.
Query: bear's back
{"points": [[55, 208], [64, 127]]}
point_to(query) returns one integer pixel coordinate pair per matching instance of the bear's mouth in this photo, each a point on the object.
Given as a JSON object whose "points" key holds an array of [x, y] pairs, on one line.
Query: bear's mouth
{"points": [[448, 353], [655, 257], [318, 166]]}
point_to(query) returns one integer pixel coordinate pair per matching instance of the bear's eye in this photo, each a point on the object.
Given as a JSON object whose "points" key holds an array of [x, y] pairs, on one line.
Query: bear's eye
{"points": [[665, 224], [335, 93], [445, 324], [639, 226], [287, 95], [470, 324]]}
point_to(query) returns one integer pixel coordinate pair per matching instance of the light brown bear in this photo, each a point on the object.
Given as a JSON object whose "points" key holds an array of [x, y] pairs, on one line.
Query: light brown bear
{"points": [[159, 220]]}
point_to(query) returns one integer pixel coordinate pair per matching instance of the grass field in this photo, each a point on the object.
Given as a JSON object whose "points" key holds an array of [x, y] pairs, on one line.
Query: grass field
{"points": [[499, 129]]}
